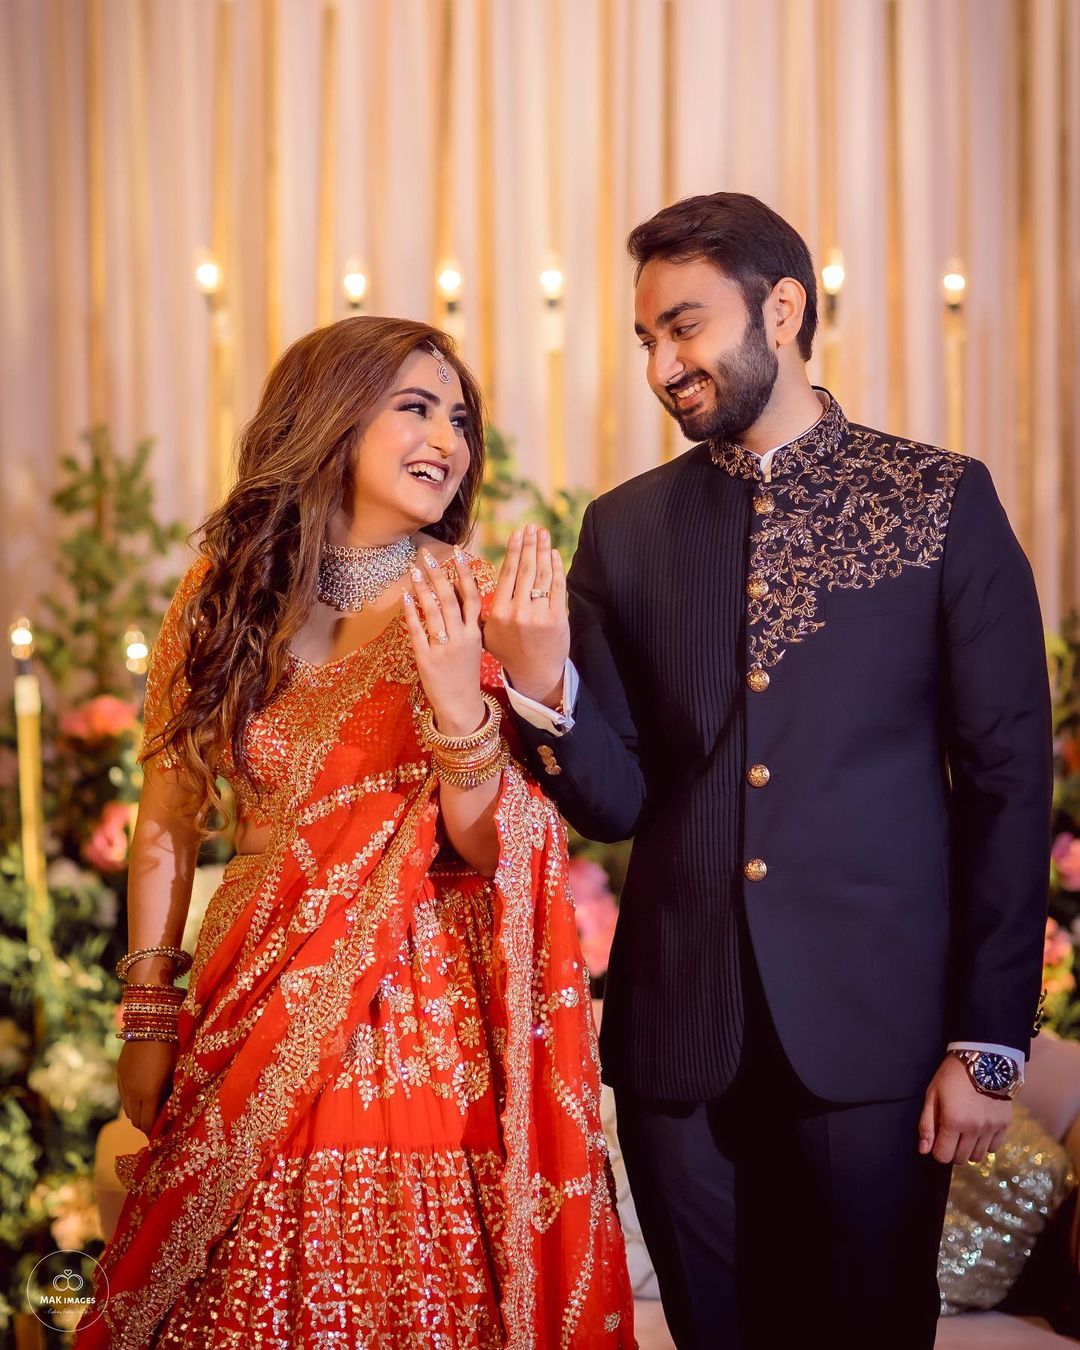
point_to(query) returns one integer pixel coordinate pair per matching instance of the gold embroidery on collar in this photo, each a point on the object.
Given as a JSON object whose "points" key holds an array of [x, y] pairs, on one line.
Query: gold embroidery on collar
{"points": [[817, 442], [852, 507]]}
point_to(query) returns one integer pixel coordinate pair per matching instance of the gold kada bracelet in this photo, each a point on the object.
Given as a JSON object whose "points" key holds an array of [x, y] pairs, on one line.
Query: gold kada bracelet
{"points": [[182, 958], [489, 727], [472, 774]]}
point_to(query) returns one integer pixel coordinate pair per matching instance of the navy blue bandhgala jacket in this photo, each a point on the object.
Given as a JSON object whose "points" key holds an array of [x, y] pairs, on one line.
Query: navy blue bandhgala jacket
{"points": [[820, 706]]}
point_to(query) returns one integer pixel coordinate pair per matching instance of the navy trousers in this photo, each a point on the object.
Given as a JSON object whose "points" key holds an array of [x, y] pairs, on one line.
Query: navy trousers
{"points": [[775, 1219]]}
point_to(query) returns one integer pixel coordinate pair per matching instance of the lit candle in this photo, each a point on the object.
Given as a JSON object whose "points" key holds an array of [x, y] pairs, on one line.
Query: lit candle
{"points": [[354, 283], [954, 291], [208, 275], [31, 811], [450, 284], [833, 277], [552, 287], [135, 657]]}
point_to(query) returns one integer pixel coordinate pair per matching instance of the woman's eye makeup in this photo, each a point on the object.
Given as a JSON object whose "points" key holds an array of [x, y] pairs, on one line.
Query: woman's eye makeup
{"points": [[418, 406]]}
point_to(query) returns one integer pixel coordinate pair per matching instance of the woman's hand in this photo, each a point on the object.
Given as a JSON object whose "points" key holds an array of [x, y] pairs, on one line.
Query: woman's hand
{"points": [[528, 631], [444, 626], [143, 1074]]}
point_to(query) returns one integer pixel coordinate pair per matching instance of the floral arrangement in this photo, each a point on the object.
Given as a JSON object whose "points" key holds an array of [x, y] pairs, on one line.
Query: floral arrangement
{"points": [[1062, 1007], [58, 1004]]}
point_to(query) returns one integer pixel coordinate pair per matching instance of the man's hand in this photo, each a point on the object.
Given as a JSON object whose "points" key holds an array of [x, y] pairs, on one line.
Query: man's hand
{"points": [[527, 633], [959, 1124]]}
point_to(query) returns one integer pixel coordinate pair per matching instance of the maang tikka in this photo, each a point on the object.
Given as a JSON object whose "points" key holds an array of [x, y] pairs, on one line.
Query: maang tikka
{"points": [[442, 369]]}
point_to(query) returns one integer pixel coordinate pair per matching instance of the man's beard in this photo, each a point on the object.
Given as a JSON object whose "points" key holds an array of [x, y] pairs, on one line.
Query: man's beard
{"points": [[742, 386]]}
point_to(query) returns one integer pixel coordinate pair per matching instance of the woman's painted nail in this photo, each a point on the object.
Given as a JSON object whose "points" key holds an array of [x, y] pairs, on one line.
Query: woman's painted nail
{"points": [[407, 599], [430, 561], [459, 556], [416, 574]]}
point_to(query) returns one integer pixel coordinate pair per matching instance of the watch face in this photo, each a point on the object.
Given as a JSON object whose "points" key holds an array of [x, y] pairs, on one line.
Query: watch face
{"points": [[994, 1073]]}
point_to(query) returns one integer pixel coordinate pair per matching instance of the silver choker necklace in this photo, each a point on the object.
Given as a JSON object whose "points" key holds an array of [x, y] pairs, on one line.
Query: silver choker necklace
{"points": [[350, 578]]}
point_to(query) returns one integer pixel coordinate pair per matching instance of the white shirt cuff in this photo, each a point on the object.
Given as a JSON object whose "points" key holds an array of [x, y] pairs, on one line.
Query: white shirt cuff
{"points": [[1010, 1052], [539, 715]]}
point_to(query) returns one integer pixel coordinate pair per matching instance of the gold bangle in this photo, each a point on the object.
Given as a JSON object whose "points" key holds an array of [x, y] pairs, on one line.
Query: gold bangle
{"points": [[472, 759], [473, 776], [436, 740], [147, 1036], [182, 958]]}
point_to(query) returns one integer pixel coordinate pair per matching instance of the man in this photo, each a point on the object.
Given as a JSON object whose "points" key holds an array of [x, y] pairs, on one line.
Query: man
{"points": [[807, 676]]}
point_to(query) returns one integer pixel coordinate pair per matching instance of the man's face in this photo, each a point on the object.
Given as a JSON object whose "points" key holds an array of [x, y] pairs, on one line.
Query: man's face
{"points": [[710, 363]]}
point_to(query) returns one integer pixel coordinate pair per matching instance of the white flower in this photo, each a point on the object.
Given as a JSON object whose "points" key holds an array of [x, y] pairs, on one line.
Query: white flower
{"points": [[76, 1077], [67, 873]]}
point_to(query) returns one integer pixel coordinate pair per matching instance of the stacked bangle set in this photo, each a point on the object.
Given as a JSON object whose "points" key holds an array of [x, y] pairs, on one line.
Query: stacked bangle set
{"points": [[151, 1011], [467, 761]]}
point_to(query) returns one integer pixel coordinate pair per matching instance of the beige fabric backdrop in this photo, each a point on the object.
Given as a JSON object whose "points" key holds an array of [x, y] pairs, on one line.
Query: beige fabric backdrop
{"points": [[288, 135]]}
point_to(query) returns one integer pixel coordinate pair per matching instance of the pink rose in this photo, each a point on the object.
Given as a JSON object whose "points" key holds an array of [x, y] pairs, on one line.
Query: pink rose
{"points": [[99, 719], [596, 912], [1061, 983], [1066, 853], [107, 847], [1057, 945]]}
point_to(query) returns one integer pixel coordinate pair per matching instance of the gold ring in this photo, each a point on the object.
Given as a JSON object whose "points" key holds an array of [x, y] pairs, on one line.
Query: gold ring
{"points": [[441, 637], [539, 595]]}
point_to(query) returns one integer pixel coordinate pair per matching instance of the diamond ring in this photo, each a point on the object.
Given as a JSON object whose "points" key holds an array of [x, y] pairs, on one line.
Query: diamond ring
{"points": [[441, 637], [538, 595]]}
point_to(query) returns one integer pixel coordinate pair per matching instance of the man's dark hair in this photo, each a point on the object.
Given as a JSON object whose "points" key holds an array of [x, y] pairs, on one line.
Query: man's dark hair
{"points": [[741, 237]]}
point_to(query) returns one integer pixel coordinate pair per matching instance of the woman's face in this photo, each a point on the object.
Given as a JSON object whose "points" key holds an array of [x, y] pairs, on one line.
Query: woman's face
{"points": [[412, 455]]}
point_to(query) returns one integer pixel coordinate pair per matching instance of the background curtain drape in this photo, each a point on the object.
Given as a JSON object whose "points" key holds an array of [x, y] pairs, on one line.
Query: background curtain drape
{"points": [[284, 137]]}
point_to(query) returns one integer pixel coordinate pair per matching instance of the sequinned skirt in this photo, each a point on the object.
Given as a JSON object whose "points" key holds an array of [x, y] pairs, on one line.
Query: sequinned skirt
{"points": [[380, 1223]]}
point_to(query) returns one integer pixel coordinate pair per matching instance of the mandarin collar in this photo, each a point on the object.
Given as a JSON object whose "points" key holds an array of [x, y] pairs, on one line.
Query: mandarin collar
{"points": [[813, 445]]}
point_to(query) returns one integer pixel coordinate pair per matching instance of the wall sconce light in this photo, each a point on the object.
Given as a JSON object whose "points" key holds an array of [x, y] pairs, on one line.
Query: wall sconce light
{"points": [[208, 275], [833, 277], [354, 283], [954, 284]]}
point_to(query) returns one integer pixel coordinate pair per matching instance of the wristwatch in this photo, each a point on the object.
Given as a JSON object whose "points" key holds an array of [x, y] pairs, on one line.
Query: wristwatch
{"points": [[992, 1075]]}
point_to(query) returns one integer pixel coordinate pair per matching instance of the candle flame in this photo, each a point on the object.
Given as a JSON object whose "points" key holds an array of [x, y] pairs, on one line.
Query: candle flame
{"points": [[22, 639], [136, 651]]}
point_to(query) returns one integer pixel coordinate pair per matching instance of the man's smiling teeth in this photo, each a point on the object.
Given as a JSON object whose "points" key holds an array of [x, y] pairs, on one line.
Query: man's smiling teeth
{"points": [[691, 390], [429, 473]]}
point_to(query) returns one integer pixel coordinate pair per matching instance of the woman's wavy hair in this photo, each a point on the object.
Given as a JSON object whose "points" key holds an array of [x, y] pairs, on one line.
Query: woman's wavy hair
{"points": [[263, 545]]}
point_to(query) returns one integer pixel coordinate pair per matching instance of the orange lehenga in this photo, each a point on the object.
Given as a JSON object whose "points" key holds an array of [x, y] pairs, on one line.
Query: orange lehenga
{"points": [[384, 1128]]}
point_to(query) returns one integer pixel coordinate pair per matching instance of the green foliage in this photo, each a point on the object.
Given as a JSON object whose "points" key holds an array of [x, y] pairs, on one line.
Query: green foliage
{"points": [[560, 513], [57, 1007], [104, 567]]}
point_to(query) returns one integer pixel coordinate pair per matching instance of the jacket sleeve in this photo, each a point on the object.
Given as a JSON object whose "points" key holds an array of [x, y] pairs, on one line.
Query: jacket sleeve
{"points": [[999, 741], [592, 772]]}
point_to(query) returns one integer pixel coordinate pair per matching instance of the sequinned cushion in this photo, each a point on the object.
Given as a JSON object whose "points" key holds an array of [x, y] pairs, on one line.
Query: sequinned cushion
{"points": [[996, 1211]]}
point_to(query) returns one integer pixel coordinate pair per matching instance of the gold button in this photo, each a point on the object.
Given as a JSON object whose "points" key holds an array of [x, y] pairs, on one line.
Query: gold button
{"points": [[757, 588], [547, 758], [755, 870], [758, 775], [765, 505], [758, 680]]}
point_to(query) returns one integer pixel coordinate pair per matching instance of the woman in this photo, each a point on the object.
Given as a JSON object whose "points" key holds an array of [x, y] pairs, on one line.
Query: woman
{"points": [[383, 1125]]}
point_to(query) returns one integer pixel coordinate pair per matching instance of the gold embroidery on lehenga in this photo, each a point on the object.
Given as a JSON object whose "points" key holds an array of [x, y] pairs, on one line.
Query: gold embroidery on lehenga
{"points": [[379, 1199], [429, 1025], [852, 508]]}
